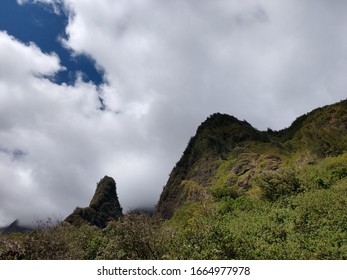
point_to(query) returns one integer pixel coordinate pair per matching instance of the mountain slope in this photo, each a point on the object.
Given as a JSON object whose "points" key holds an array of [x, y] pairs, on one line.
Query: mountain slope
{"points": [[229, 158], [322, 132]]}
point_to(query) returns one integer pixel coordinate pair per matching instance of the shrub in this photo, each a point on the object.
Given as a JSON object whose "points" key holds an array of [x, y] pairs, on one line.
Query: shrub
{"points": [[10, 248], [135, 236], [202, 237], [281, 182]]}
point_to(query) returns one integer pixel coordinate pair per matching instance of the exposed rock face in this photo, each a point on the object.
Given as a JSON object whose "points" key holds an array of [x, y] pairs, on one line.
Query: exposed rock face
{"points": [[103, 208]]}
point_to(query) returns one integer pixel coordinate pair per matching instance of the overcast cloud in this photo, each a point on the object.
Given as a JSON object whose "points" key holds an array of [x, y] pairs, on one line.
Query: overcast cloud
{"points": [[168, 65]]}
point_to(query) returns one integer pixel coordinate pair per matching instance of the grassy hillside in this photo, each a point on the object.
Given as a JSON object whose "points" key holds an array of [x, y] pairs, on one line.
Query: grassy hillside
{"points": [[236, 193]]}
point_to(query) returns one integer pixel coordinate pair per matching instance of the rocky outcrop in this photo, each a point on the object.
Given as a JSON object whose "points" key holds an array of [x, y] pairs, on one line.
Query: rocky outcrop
{"points": [[103, 208]]}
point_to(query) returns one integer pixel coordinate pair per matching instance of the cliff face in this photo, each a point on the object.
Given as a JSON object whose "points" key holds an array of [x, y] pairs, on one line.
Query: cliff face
{"points": [[103, 208], [227, 156], [192, 176]]}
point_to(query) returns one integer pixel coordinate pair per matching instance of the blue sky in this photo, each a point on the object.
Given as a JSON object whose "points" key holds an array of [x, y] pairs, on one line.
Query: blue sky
{"points": [[94, 88], [38, 23]]}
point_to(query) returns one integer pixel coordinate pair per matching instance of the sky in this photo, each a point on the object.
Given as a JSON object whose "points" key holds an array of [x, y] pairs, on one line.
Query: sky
{"points": [[117, 87]]}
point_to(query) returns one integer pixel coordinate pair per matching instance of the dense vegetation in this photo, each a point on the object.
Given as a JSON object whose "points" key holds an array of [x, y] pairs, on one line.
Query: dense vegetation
{"points": [[236, 193]]}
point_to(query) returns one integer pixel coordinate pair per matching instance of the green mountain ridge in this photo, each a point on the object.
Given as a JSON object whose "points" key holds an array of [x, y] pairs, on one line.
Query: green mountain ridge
{"points": [[226, 155]]}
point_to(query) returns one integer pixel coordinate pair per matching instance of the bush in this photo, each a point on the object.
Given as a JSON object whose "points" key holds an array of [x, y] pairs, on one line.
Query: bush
{"points": [[134, 237], [325, 174], [50, 241], [221, 192], [202, 237], [281, 182], [10, 248]]}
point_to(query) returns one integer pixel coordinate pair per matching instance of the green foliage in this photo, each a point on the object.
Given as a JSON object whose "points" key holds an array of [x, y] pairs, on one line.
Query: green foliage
{"points": [[197, 231], [243, 204], [308, 225], [323, 132], [201, 238], [281, 182], [54, 242], [324, 174], [311, 225], [221, 192], [11, 247], [135, 237]]}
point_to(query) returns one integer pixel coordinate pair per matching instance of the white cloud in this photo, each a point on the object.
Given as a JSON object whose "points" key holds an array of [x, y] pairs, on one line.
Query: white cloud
{"points": [[217, 55], [169, 64], [22, 55], [56, 144]]}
